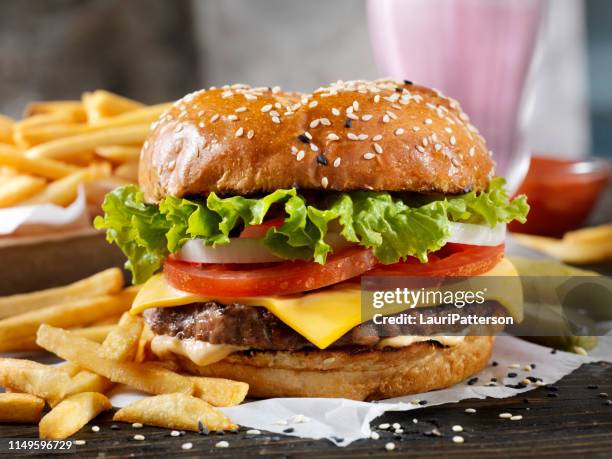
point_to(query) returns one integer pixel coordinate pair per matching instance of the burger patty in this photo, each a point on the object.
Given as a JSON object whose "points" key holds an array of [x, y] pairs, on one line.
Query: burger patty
{"points": [[257, 328]]}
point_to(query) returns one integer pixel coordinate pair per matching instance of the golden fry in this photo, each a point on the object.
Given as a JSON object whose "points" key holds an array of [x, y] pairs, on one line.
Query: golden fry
{"points": [[28, 136], [15, 407], [175, 411], [74, 107], [128, 171], [6, 129], [43, 167], [71, 414], [119, 153], [146, 377], [18, 189], [121, 344], [105, 282], [73, 314], [50, 383], [97, 333], [103, 104], [67, 147], [85, 381]]}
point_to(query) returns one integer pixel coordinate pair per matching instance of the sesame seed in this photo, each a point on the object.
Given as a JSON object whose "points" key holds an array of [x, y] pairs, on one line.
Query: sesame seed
{"points": [[348, 122], [472, 151], [516, 418], [378, 148], [79, 442], [384, 426], [137, 425], [428, 121], [396, 425], [294, 149], [276, 119], [324, 182], [313, 104], [187, 445], [239, 132], [325, 121], [416, 129], [377, 137], [332, 136], [214, 118], [274, 113], [232, 117], [458, 439], [505, 415], [352, 136], [337, 162], [300, 155], [374, 435], [266, 108], [457, 428], [470, 410], [241, 109], [95, 429], [308, 135], [175, 433], [366, 117], [362, 136], [352, 116], [201, 124], [355, 105], [368, 155], [349, 110], [514, 366], [313, 147], [253, 432], [453, 141], [399, 131], [391, 114], [321, 159], [390, 446], [386, 119], [139, 437], [250, 134], [425, 141], [276, 89], [314, 123], [448, 130], [438, 147], [420, 149], [377, 98], [335, 111], [221, 444]]}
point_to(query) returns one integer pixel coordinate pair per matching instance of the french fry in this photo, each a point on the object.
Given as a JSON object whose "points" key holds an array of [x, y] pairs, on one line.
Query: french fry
{"points": [[74, 107], [128, 171], [18, 189], [97, 333], [50, 383], [71, 414], [107, 282], [67, 147], [70, 368], [85, 381], [64, 191], [146, 377], [588, 245], [6, 129], [73, 314], [103, 104], [7, 173], [15, 407], [175, 411], [42, 119], [119, 153], [121, 344], [43, 167]]}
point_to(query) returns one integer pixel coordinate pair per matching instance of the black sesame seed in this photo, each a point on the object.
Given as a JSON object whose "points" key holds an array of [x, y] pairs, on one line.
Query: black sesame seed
{"points": [[552, 388], [397, 436], [422, 402], [494, 364], [533, 379], [303, 138], [493, 379], [592, 386], [321, 159], [348, 123], [398, 89], [115, 427], [234, 431], [289, 430], [552, 395], [338, 439], [472, 381], [183, 433], [220, 432], [525, 400], [512, 375], [408, 82], [202, 429], [554, 351], [533, 366]]}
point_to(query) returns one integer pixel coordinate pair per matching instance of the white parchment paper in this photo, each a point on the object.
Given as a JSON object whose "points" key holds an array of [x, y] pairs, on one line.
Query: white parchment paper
{"points": [[343, 421], [13, 218]]}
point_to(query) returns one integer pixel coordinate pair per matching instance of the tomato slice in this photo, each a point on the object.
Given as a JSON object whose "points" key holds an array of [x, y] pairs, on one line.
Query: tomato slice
{"points": [[278, 279], [450, 260], [257, 231]]}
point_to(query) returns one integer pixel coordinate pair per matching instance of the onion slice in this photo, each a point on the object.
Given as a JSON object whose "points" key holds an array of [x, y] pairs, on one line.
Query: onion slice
{"points": [[469, 233]]}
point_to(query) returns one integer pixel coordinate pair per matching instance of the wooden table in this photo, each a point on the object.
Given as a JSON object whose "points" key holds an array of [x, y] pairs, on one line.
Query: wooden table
{"points": [[577, 422]]}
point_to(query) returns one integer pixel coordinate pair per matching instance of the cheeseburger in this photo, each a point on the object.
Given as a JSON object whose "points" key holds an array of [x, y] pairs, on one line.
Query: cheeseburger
{"points": [[258, 212]]}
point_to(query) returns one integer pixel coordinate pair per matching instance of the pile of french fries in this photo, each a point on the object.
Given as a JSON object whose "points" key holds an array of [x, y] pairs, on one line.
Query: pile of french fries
{"points": [[88, 325], [60, 145]]}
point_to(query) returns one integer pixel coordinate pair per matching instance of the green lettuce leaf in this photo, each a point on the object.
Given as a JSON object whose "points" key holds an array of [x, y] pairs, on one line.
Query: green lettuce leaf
{"points": [[393, 227]]}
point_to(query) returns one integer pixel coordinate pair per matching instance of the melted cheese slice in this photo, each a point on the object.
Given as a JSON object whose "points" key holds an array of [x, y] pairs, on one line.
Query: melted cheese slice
{"points": [[321, 317]]}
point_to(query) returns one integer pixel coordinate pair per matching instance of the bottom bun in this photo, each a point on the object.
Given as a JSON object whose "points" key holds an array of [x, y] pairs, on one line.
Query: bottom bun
{"points": [[369, 375]]}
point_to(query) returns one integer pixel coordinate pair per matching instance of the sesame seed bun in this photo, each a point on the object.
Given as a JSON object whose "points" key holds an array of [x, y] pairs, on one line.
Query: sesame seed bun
{"points": [[373, 375], [381, 135]]}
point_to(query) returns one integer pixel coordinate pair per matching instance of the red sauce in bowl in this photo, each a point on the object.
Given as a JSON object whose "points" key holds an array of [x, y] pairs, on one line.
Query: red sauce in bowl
{"points": [[561, 194]]}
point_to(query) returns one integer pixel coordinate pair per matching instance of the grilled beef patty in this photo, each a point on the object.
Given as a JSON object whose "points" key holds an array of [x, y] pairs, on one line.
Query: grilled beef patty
{"points": [[255, 327]]}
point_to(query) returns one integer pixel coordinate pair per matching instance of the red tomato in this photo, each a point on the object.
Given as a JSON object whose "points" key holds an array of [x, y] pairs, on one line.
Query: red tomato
{"points": [[257, 231], [279, 279], [450, 260]]}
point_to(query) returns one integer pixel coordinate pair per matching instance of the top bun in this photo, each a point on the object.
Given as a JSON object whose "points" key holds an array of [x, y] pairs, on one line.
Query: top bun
{"points": [[359, 135]]}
